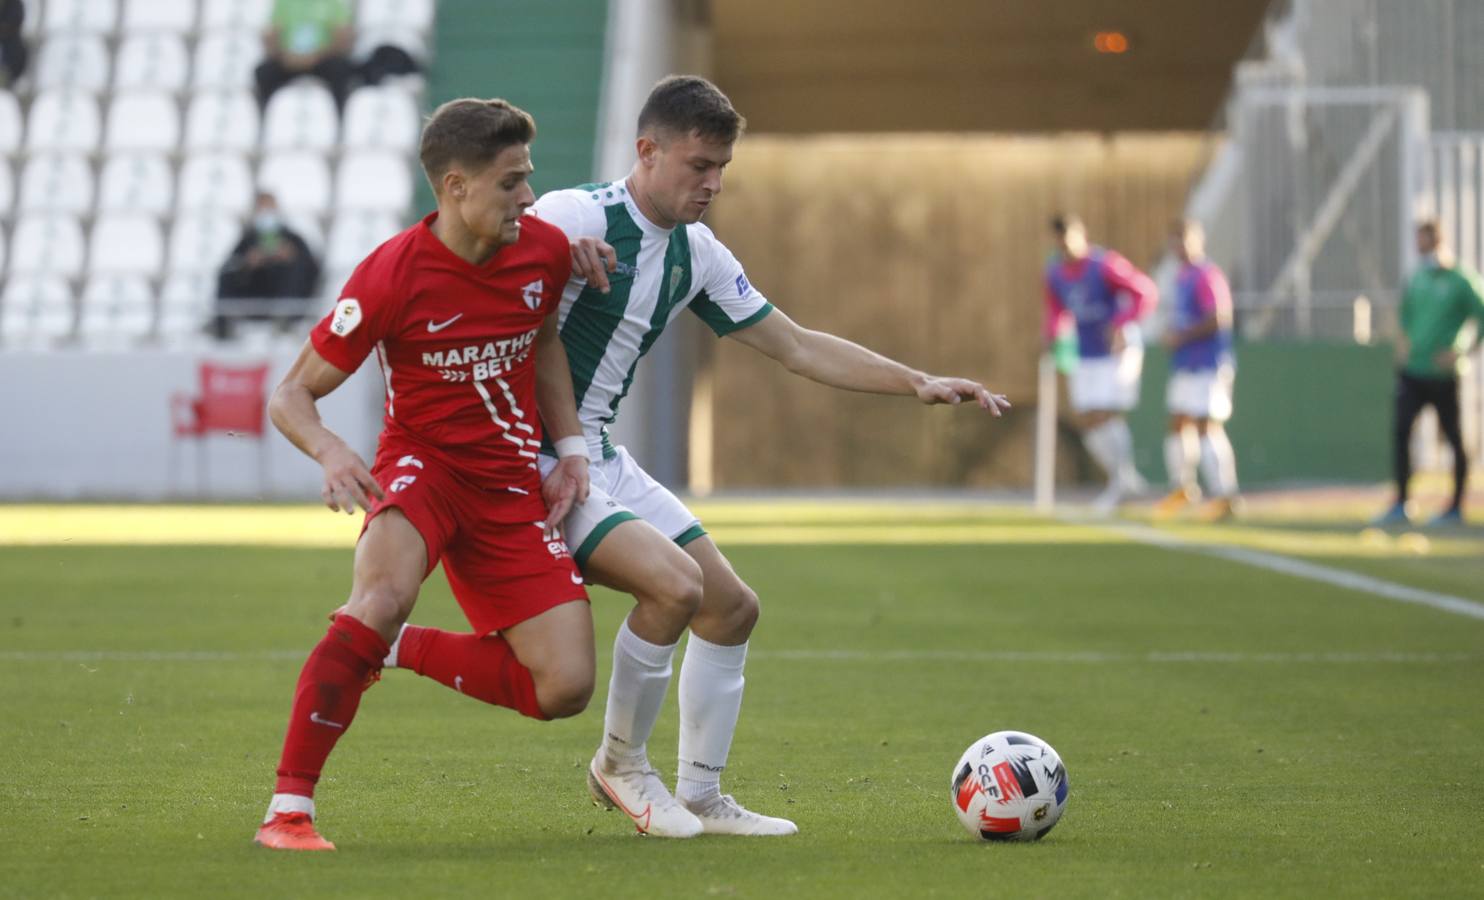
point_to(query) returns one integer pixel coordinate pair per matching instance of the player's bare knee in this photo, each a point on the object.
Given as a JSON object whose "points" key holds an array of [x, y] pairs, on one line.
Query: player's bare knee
{"points": [[563, 695], [382, 605], [678, 589], [744, 609]]}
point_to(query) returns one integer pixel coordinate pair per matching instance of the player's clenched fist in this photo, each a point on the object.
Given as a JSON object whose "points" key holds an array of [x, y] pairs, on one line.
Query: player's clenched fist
{"points": [[347, 481]]}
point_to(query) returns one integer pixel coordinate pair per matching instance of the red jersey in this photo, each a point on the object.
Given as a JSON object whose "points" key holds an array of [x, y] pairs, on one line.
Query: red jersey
{"points": [[455, 343]]}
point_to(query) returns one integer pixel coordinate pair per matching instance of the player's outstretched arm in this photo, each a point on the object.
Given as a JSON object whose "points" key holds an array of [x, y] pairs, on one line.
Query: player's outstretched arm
{"points": [[347, 479], [567, 483], [836, 362]]}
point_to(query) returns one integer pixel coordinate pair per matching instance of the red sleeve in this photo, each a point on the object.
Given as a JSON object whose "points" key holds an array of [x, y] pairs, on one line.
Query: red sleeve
{"points": [[1212, 292], [364, 314], [1056, 314], [561, 268], [1122, 276]]}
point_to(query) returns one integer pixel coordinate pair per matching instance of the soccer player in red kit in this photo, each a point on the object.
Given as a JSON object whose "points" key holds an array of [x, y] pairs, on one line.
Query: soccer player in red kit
{"points": [[460, 311]]}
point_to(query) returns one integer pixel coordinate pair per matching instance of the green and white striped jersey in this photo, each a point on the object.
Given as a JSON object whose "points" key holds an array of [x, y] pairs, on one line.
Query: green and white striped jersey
{"points": [[660, 272]]}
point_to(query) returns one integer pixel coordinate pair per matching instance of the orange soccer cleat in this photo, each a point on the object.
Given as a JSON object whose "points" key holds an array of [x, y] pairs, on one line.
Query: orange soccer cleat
{"points": [[290, 831], [1174, 503]]}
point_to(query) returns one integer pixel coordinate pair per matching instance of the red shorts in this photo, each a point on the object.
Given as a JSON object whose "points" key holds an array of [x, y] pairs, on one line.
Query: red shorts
{"points": [[501, 573]]}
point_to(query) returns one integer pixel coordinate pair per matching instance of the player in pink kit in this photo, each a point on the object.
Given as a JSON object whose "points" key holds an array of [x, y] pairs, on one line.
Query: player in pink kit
{"points": [[1103, 297], [459, 311]]}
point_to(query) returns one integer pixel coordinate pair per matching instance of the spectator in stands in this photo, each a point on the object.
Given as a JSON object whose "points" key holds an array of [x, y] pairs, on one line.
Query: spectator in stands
{"points": [[13, 53], [270, 263], [308, 37]]}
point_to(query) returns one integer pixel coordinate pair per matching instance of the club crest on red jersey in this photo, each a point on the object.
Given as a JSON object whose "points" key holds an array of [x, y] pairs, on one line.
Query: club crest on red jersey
{"points": [[531, 293]]}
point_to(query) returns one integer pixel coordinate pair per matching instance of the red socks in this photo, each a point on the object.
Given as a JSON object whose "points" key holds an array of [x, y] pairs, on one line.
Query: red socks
{"points": [[484, 668], [329, 690]]}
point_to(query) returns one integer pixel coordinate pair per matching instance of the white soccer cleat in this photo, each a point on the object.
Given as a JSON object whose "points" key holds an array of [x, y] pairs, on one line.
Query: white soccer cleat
{"points": [[1107, 502], [722, 814], [642, 796]]}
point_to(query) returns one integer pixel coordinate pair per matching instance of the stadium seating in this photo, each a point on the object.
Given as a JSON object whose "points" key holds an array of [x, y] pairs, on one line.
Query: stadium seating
{"points": [[222, 121], [177, 16], [47, 244], [79, 16], [300, 179], [73, 61], [142, 182], [220, 182], [126, 244], [64, 119], [58, 183], [131, 150], [301, 116], [154, 60]]}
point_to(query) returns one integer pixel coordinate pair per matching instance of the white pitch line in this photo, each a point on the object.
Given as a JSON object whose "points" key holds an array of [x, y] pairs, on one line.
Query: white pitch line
{"points": [[815, 655], [1298, 568]]}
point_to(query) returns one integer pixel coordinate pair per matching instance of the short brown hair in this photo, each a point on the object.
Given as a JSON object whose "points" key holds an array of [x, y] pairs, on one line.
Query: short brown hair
{"points": [[471, 132], [685, 104], [1061, 223], [1432, 225]]}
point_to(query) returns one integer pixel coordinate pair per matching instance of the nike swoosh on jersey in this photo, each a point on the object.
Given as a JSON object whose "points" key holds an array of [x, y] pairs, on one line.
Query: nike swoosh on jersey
{"points": [[435, 327]]}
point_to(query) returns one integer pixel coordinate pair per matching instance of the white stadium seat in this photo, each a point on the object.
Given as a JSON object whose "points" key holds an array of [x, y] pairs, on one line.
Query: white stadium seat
{"points": [[152, 61], [10, 123], [35, 308], [401, 15], [222, 121], [247, 15], [126, 244], [301, 115], [308, 228], [186, 300], [225, 60], [76, 16], [219, 182], [200, 242], [116, 306], [72, 61], [47, 244], [381, 117], [178, 16], [136, 182], [57, 183], [143, 121], [354, 235], [4, 248], [64, 120], [376, 180], [299, 180]]}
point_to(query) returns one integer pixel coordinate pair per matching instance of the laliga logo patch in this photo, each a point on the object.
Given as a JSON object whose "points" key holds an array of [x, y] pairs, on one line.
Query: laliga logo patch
{"points": [[347, 316]]}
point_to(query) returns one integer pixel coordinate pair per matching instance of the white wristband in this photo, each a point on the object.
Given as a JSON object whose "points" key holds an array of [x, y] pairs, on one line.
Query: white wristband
{"points": [[573, 445]]}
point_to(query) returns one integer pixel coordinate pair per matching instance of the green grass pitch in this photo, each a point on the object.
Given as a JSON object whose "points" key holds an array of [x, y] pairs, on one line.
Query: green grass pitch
{"points": [[1228, 731]]}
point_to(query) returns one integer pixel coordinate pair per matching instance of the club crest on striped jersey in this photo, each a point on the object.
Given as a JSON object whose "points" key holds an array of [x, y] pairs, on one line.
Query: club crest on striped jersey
{"points": [[531, 293], [347, 317]]}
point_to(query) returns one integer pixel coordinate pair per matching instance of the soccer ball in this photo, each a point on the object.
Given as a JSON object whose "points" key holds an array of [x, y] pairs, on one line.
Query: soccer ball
{"points": [[1009, 786]]}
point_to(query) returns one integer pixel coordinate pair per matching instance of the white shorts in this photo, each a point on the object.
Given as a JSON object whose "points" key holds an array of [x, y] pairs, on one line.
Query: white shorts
{"points": [[1201, 394], [619, 491], [1107, 382]]}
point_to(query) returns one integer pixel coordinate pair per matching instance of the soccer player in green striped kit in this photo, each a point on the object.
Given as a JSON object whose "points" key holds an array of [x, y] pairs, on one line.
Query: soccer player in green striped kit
{"points": [[1440, 297], [640, 258]]}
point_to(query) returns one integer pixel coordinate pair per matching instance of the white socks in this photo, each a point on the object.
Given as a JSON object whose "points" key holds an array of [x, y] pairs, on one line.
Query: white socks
{"points": [[641, 675], [1182, 450], [1112, 445], [710, 699], [1219, 463], [288, 803]]}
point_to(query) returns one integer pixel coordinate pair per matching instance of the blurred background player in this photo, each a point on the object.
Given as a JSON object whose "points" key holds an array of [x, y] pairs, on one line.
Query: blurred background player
{"points": [[1202, 371], [307, 37], [469, 348], [1439, 299], [1103, 297], [270, 264]]}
